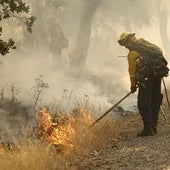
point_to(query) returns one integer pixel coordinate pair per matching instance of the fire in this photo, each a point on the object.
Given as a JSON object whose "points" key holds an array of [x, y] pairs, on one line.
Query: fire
{"points": [[59, 130], [44, 123], [49, 130]]}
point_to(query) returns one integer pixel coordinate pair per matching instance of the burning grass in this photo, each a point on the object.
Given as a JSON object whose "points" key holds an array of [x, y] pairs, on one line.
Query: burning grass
{"points": [[74, 131], [72, 136]]}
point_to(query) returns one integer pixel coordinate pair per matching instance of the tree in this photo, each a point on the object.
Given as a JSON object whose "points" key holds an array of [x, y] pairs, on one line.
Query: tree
{"points": [[127, 13], [163, 27], [14, 9], [83, 38]]}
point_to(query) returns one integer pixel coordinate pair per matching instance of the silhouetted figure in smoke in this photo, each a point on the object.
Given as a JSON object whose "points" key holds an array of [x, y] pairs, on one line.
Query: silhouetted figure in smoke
{"points": [[57, 42]]}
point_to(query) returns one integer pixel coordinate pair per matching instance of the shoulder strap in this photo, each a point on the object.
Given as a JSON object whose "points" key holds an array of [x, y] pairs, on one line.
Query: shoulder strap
{"points": [[146, 48]]}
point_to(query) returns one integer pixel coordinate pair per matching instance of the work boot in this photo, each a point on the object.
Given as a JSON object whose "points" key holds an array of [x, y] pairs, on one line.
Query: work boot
{"points": [[155, 128], [146, 132]]}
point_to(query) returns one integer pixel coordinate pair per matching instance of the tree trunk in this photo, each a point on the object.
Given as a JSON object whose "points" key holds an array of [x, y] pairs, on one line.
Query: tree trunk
{"points": [[163, 25], [83, 38]]}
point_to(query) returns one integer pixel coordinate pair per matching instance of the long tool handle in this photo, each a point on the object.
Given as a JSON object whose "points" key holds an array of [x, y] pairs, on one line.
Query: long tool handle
{"points": [[111, 109], [164, 115], [166, 93]]}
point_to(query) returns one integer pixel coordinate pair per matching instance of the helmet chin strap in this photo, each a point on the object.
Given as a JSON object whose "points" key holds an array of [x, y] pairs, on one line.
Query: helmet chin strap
{"points": [[129, 45]]}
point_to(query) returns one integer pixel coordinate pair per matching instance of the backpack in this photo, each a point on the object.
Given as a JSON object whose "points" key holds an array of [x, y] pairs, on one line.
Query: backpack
{"points": [[152, 60]]}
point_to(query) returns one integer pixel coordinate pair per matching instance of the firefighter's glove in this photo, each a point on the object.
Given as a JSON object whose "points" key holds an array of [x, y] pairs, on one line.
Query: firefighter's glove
{"points": [[133, 89]]}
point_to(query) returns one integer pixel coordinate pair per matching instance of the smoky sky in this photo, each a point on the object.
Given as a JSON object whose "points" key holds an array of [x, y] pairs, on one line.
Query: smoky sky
{"points": [[107, 73], [105, 79]]}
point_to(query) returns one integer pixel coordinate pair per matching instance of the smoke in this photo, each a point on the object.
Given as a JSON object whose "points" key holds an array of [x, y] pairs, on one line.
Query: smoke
{"points": [[102, 58], [106, 78]]}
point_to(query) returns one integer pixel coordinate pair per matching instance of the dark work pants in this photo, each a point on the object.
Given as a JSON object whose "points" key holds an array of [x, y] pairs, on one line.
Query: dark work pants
{"points": [[149, 101]]}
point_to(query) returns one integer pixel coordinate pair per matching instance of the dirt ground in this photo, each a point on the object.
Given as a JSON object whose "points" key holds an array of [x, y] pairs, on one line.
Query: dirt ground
{"points": [[128, 152]]}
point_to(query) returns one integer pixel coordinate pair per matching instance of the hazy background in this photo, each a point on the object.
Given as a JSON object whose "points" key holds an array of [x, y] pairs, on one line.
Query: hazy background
{"points": [[98, 75]]}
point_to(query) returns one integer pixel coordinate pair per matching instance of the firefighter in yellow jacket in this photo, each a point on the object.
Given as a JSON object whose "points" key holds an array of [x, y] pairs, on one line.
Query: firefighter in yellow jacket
{"points": [[149, 92]]}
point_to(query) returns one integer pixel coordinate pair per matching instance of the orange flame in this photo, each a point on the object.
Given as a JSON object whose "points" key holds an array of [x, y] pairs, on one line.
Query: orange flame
{"points": [[60, 134]]}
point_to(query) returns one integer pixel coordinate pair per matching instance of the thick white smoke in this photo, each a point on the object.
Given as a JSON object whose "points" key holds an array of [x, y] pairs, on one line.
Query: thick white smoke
{"points": [[106, 79]]}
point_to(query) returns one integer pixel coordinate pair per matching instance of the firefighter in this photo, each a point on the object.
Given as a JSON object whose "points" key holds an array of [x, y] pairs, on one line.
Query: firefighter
{"points": [[57, 41], [149, 91]]}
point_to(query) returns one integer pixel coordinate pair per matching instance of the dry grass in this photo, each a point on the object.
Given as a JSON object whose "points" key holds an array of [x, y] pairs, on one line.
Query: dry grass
{"points": [[93, 138], [75, 131], [85, 139], [29, 156]]}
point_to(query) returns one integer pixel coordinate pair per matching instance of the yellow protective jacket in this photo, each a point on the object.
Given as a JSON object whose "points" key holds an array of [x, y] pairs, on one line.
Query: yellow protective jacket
{"points": [[133, 65], [136, 61]]}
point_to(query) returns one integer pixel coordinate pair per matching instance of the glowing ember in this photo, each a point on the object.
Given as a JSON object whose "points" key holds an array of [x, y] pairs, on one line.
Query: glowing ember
{"points": [[60, 133], [49, 130]]}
